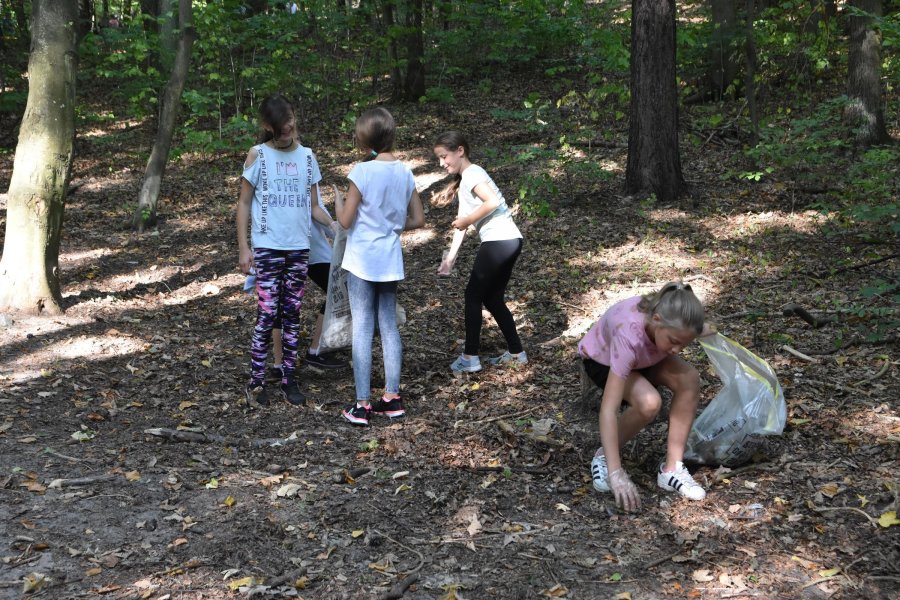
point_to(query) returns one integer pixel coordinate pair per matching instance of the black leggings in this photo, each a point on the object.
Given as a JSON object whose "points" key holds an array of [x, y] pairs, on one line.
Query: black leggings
{"points": [[491, 271], [318, 274]]}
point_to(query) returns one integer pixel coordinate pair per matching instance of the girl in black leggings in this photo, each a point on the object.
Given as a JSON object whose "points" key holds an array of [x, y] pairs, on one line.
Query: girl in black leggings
{"points": [[481, 204]]}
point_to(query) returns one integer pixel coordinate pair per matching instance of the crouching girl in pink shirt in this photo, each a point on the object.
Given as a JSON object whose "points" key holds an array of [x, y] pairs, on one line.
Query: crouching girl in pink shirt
{"points": [[633, 348]]}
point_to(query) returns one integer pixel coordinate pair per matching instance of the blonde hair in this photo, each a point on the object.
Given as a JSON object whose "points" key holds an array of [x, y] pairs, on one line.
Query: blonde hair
{"points": [[676, 305]]}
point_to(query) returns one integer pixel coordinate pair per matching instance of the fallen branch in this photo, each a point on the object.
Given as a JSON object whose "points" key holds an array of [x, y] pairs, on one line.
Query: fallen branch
{"points": [[530, 470], [848, 509], [405, 547], [660, 560], [287, 578], [839, 387], [824, 274], [795, 310], [175, 435], [400, 587], [80, 481], [884, 367], [521, 413], [800, 355]]}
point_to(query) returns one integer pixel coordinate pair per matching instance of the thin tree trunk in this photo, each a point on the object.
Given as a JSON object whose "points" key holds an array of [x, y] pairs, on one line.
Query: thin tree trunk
{"points": [[654, 160], [414, 86], [864, 111], [29, 268], [168, 40], [393, 54], [722, 67], [750, 72], [145, 215]]}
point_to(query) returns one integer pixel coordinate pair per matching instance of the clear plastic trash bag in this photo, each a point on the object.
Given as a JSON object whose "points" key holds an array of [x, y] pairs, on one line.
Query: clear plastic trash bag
{"points": [[749, 407]]}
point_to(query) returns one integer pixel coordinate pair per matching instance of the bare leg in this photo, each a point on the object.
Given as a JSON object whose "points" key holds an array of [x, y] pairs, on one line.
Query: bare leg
{"points": [[684, 381]]}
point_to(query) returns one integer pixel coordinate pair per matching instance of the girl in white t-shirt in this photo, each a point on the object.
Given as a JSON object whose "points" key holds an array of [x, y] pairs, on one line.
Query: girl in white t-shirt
{"points": [[278, 199], [381, 202], [481, 205]]}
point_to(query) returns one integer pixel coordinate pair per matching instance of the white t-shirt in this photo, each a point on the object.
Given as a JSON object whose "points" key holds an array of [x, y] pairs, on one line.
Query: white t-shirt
{"points": [[373, 248], [320, 247], [280, 213], [498, 225]]}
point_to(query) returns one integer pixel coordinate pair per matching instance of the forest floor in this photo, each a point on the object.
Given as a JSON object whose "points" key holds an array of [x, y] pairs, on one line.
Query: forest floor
{"points": [[483, 491]]}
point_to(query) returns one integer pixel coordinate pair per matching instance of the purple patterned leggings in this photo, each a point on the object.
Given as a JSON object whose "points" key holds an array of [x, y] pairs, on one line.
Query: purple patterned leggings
{"points": [[280, 277]]}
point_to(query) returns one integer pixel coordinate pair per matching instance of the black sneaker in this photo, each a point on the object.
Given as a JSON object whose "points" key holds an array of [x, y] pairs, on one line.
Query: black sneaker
{"points": [[358, 415], [325, 361], [274, 374], [393, 409], [256, 396], [292, 394]]}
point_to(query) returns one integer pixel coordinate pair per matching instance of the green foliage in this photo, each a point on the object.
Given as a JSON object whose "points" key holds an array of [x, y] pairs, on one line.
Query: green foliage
{"points": [[535, 194]]}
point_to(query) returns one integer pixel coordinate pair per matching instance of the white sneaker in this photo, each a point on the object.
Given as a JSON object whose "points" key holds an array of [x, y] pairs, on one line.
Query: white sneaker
{"points": [[506, 357], [599, 472], [680, 481]]}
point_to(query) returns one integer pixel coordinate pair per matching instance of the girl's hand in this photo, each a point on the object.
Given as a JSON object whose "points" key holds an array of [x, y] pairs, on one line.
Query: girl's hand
{"points": [[245, 261], [335, 228], [461, 223], [445, 267], [624, 491]]}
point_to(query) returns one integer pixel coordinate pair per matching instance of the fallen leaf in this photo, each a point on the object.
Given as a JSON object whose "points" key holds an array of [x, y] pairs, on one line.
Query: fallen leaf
{"points": [[272, 480], [28, 439], [450, 590], [93, 572], [34, 582], [615, 577], [133, 476], [829, 572], [402, 488], [180, 542], [889, 518], [244, 582], [186, 404], [830, 489], [229, 501], [288, 490], [862, 500], [557, 591], [326, 554], [474, 526], [212, 484], [702, 576], [562, 507], [34, 486], [623, 596], [400, 475], [357, 533], [475, 386]]}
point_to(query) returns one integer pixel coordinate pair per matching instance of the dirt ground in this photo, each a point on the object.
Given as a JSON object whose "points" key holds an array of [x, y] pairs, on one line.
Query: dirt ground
{"points": [[483, 491]]}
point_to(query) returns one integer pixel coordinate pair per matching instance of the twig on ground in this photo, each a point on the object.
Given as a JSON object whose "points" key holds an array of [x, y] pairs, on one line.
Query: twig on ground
{"points": [[839, 387], [400, 587], [848, 509], [660, 560], [287, 578], [80, 481], [405, 547], [824, 274], [175, 435], [800, 355], [886, 364]]}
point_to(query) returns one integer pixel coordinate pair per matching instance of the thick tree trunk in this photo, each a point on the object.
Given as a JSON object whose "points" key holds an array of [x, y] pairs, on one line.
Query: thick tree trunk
{"points": [[722, 64], [415, 53], [168, 40], [145, 215], [29, 269], [865, 106], [654, 161]]}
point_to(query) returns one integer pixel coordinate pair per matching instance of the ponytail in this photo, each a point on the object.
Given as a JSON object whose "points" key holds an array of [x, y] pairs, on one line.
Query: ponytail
{"points": [[453, 141], [676, 305]]}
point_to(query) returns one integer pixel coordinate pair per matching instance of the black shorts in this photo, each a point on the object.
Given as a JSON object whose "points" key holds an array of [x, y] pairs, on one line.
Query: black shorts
{"points": [[599, 372]]}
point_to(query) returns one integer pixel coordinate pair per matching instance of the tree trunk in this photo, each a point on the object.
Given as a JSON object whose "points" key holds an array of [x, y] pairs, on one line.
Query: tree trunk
{"points": [[393, 54], [722, 66], [145, 215], [865, 111], [29, 268], [22, 22], [654, 162], [168, 40], [85, 18], [414, 86], [750, 71]]}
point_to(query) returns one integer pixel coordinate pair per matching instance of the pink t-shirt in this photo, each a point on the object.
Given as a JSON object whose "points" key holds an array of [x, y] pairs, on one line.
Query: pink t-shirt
{"points": [[620, 341]]}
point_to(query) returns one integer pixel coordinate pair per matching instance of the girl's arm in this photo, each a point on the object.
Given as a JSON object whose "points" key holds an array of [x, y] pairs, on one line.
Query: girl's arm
{"points": [[346, 209], [245, 256], [623, 489], [489, 203], [322, 217], [415, 213], [450, 259]]}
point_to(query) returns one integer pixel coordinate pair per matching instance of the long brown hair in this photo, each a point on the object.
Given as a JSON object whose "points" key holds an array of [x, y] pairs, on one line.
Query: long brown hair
{"points": [[275, 111], [452, 141], [676, 305]]}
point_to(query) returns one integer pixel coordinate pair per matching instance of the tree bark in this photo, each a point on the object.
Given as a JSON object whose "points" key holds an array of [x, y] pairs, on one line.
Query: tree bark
{"points": [[414, 85], [654, 161], [145, 214], [722, 66], [29, 268], [750, 71], [168, 40], [393, 55], [865, 105]]}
